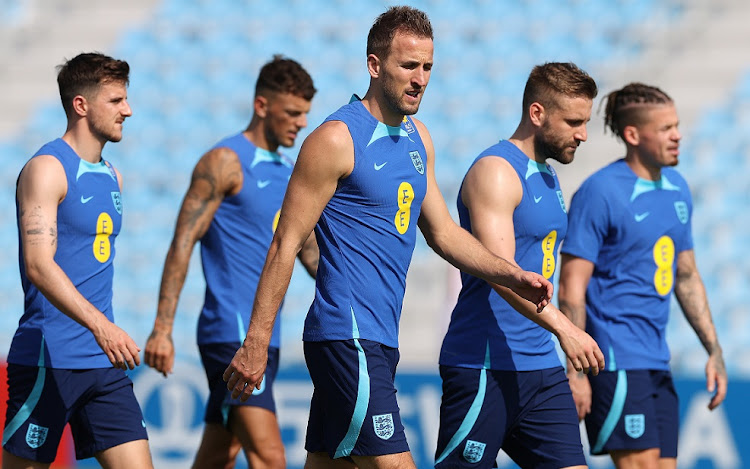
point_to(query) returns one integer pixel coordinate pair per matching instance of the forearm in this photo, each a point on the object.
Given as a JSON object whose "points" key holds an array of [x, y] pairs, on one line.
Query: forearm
{"points": [[691, 295], [466, 253], [172, 281], [272, 286], [550, 318], [57, 288]]}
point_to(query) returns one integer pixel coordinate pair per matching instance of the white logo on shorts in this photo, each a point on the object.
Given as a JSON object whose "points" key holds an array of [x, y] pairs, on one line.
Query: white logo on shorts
{"points": [[635, 425], [36, 435], [383, 425], [473, 451]]}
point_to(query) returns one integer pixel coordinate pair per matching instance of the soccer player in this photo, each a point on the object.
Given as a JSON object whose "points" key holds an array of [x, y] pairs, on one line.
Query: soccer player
{"points": [[629, 235], [232, 206], [365, 179], [503, 383], [67, 358]]}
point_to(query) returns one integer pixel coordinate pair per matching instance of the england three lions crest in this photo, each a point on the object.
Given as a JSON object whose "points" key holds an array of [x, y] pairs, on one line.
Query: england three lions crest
{"points": [[473, 451], [36, 435], [635, 425], [416, 159], [383, 425]]}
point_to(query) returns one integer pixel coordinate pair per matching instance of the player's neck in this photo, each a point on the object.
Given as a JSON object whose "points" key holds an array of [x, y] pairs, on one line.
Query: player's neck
{"points": [[641, 170], [85, 144], [525, 143], [256, 133], [376, 106]]}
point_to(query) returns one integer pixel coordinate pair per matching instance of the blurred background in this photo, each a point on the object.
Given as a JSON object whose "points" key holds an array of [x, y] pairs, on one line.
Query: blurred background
{"points": [[193, 69]]}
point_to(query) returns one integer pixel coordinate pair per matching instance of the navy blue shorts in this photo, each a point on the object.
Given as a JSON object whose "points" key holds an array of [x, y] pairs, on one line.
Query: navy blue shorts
{"points": [[216, 358], [98, 403], [633, 410], [529, 414], [353, 409]]}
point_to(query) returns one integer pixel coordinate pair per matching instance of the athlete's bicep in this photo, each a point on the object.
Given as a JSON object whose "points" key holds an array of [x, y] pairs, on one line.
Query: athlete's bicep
{"points": [[326, 156], [217, 175], [491, 192], [41, 187]]}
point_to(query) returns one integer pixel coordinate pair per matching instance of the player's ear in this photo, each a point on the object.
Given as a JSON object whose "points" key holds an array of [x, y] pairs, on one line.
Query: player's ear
{"points": [[630, 135], [537, 114], [80, 105], [260, 106], [373, 65]]}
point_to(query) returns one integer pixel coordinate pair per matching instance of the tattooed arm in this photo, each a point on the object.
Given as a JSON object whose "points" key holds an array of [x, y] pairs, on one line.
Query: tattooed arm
{"points": [[691, 294], [218, 174], [41, 187]]}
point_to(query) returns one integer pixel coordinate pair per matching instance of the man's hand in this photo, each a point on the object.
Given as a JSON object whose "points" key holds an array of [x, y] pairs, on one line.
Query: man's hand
{"points": [[581, 390], [117, 344], [245, 372], [159, 352], [716, 379], [533, 287], [582, 351]]}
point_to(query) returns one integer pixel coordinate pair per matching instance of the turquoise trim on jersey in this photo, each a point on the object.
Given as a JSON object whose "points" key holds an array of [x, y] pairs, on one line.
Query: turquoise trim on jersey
{"points": [[86, 167], [360, 408], [618, 403], [355, 327], [265, 156], [30, 404], [225, 414], [472, 415], [611, 364], [643, 185], [382, 131], [241, 328], [534, 168]]}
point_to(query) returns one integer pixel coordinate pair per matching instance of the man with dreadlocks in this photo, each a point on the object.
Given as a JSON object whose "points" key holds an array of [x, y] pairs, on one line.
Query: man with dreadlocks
{"points": [[629, 245]]}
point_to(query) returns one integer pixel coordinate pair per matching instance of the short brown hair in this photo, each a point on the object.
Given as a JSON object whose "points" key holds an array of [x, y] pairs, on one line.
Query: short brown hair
{"points": [[403, 19], [551, 80], [626, 106], [284, 75], [85, 73]]}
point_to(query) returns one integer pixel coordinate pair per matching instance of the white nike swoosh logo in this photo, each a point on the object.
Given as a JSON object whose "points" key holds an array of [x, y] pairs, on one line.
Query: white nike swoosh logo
{"points": [[537, 199], [378, 167], [86, 199], [640, 216], [262, 184]]}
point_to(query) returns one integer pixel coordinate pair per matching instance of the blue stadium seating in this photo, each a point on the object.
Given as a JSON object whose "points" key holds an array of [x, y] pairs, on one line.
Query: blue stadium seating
{"points": [[194, 67]]}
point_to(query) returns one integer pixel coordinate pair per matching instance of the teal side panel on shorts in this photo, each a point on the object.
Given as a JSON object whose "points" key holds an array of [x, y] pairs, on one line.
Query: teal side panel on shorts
{"points": [[25, 411], [472, 415], [363, 398], [618, 403]]}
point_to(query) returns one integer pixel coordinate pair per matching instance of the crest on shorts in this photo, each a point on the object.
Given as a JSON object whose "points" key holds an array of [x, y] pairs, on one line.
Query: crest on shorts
{"points": [[383, 425], [117, 202], [417, 160], [36, 435], [473, 451], [635, 425], [682, 211]]}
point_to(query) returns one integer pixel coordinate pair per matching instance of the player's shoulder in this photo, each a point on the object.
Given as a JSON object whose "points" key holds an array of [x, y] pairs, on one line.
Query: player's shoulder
{"points": [[675, 177], [605, 177]]}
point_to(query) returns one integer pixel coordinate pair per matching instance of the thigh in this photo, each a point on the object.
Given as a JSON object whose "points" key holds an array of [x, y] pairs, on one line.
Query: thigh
{"points": [[547, 432], [354, 409], [36, 414], [108, 415], [216, 358], [624, 414], [473, 418]]}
